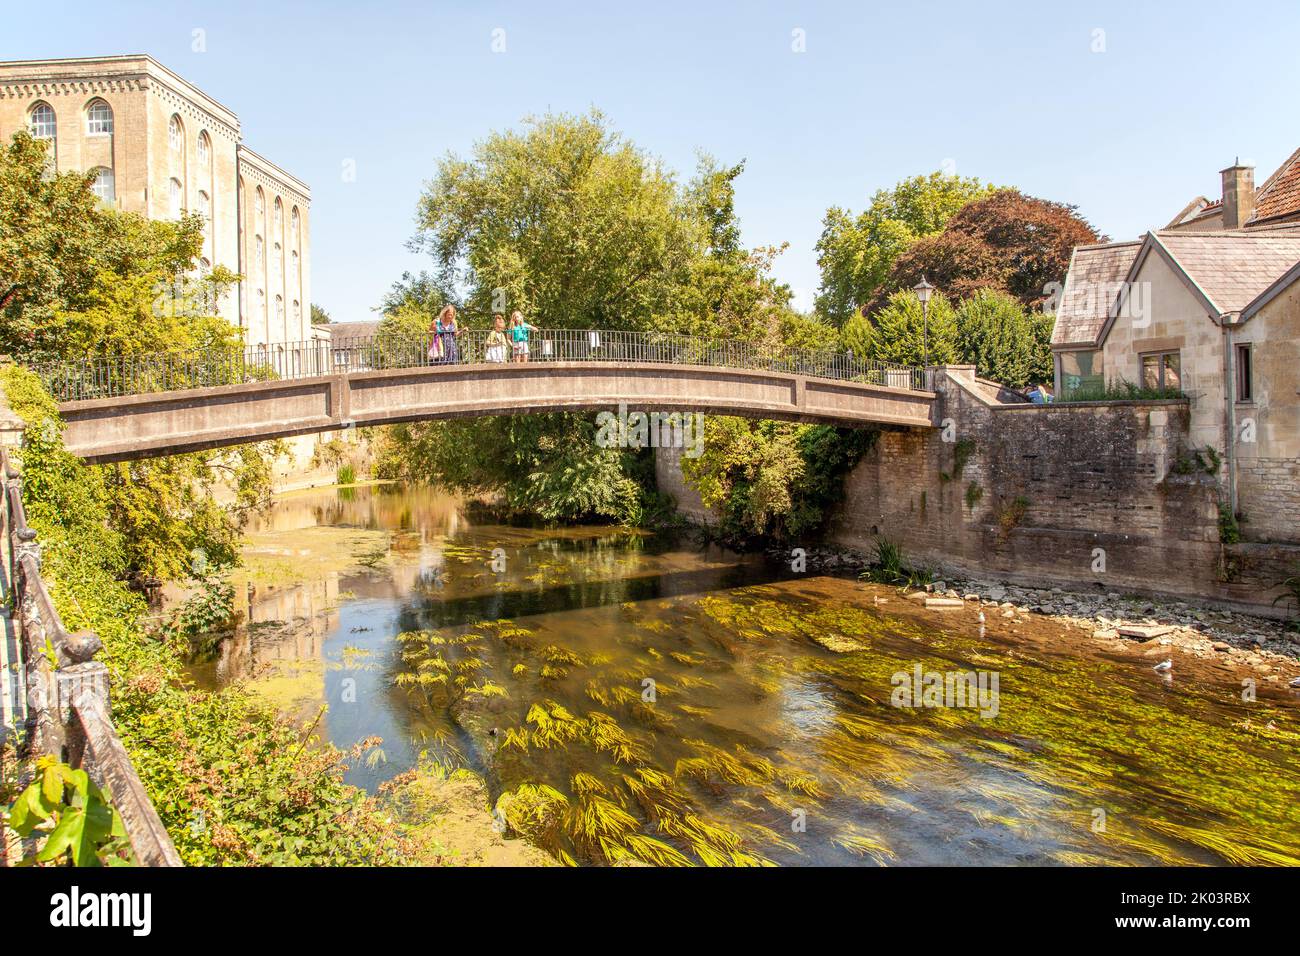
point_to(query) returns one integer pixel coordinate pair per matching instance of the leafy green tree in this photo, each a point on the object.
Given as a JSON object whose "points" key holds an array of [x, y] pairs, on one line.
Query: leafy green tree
{"points": [[549, 465], [563, 220], [894, 333], [422, 293], [1004, 341], [774, 480], [856, 254], [319, 316], [51, 230]]}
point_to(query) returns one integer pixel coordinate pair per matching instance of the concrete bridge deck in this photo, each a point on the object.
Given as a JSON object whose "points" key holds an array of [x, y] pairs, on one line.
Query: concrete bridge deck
{"points": [[162, 423], [138, 406]]}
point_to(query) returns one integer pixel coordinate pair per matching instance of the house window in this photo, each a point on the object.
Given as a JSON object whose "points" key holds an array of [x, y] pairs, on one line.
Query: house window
{"points": [[1245, 370], [279, 215], [1081, 371], [205, 206], [175, 136], [205, 150], [103, 186], [42, 123], [99, 118], [177, 203], [1161, 370]]}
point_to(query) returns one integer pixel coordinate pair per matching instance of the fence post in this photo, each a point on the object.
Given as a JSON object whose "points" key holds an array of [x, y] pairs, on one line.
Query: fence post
{"points": [[70, 683]]}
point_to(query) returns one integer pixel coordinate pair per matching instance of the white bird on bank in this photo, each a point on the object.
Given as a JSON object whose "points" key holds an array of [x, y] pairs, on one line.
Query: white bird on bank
{"points": [[1295, 681], [1164, 667]]}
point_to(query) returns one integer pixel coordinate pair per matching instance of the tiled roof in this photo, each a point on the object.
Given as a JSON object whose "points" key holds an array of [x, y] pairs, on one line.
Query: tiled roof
{"points": [[1090, 287], [1233, 267], [341, 331], [1280, 194]]}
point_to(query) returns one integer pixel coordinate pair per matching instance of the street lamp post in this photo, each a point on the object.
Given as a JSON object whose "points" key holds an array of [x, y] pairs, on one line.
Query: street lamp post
{"points": [[923, 290]]}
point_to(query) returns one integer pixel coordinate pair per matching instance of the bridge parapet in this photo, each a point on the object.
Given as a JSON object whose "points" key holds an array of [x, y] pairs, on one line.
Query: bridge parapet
{"points": [[96, 377]]}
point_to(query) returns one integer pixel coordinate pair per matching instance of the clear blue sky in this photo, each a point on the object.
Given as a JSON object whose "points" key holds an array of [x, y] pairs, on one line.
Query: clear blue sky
{"points": [[1009, 92]]}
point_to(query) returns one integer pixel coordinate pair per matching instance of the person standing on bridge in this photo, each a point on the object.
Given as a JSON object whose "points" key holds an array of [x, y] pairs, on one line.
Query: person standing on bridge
{"points": [[519, 330], [446, 329], [497, 341]]}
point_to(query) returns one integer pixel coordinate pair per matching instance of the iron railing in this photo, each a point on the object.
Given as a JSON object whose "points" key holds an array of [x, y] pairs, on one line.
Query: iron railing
{"points": [[68, 709], [112, 376]]}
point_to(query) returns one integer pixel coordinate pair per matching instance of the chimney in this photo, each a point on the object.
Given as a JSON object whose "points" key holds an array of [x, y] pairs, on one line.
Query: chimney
{"points": [[1238, 195]]}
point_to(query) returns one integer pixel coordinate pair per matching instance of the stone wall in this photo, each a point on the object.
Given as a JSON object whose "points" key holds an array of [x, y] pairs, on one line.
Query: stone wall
{"points": [[1098, 495], [1088, 494], [668, 478]]}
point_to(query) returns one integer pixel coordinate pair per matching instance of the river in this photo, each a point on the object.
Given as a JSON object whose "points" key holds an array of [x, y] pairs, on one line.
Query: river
{"points": [[631, 696]]}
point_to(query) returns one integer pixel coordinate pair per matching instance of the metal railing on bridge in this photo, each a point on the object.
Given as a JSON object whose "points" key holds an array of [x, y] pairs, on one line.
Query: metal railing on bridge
{"points": [[67, 705], [112, 376]]}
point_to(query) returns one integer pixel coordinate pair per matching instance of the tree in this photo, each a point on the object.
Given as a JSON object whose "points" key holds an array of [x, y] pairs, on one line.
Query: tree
{"points": [[856, 254], [772, 479], [1008, 241], [422, 293], [565, 221], [145, 295], [894, 332], [1003, 340], [319, 316], [50, 233], [548, 465]]}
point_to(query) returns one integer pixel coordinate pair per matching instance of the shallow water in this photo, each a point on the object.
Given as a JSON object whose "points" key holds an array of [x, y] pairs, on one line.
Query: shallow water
{"points": [[627, 696]]}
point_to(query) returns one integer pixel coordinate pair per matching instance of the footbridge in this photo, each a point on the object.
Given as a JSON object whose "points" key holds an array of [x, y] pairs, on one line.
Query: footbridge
{"points": [[140, 406]]}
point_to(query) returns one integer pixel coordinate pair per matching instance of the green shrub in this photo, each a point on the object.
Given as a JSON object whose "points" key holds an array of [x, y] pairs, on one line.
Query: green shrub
{"points": [[1120, 391]]}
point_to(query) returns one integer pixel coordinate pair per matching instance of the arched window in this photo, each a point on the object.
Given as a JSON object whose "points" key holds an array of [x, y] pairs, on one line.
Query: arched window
{"points": [[205, 267], [279, 215], [175, 134], [297, 312], [177, 198], [261, 302], [205, 151], [294, 221], [278, 262], [293, 260], [104, 186], [260, 205], [258, 259], [41, 122], [99, 117], [279, 310], [205, 205]]}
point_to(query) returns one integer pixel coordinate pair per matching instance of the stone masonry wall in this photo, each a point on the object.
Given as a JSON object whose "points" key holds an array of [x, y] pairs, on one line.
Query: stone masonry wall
{"points": [[1079, 494]]}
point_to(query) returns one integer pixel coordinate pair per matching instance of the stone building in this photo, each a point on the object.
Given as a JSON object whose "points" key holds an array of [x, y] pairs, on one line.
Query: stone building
{"points": [[159, 147], [1215, 315]]}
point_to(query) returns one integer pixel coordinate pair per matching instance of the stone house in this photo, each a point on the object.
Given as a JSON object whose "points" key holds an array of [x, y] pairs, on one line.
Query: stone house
{"points": [[1209, 306]]}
